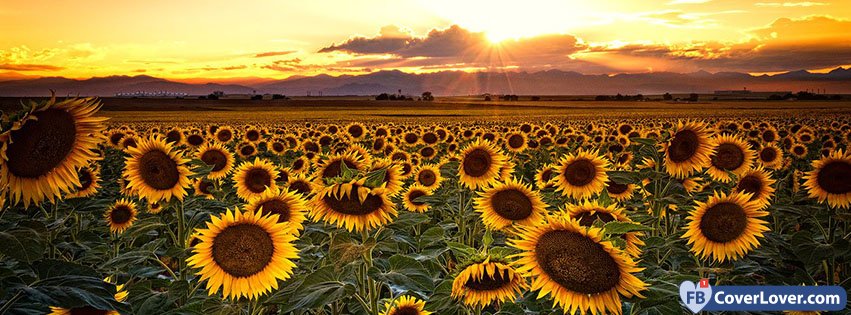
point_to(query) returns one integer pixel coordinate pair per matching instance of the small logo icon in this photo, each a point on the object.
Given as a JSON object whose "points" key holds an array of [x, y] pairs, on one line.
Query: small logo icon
{"points": [[695, 296]]}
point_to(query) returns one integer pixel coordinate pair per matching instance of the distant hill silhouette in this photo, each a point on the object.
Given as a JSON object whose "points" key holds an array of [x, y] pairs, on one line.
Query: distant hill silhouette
{"points": [[551, 82]]}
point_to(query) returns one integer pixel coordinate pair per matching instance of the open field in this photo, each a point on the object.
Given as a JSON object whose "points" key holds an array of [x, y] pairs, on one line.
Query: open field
{"points": [[362, 108]]}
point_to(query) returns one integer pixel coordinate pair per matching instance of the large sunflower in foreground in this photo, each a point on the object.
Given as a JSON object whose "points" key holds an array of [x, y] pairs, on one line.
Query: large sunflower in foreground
{"points": [[582, 175], [252, 179], [216, 155], [689, 149], [830, 179], [353, 206], [429, 176], [287, 205], [732, 155], [510, 203], [392, 182], [244, 253], [40, 153], [406, 305], [588, 212], [333, 166], [119, 296], [481, 163], [121, 215], [483, 283], [759, 184], [156, 171], [725, 227], [579, 270]]}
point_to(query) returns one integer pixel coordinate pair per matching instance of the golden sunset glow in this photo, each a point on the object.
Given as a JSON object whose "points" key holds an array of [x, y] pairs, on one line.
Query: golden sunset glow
{"points": [[221, 40]]}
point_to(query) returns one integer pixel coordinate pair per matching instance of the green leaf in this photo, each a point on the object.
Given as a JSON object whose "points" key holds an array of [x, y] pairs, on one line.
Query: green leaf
{"points": [[616, 227], [644, 141], [375, 178], [461, 250], [22, 244], [404, 274], [487, 240]]}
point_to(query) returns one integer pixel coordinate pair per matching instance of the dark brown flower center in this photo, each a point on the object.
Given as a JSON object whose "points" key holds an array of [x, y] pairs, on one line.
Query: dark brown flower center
{"points": [[489, 282], [195, 140], [276, 206], [356, 131], [206, 187], [278, 147], [427, 152], [728, 156], [515, 141], [588, 219], [413, 195], [215, 158], [115, 138], [430, 138], [577, 262], [405, 310], [86, 179], [158, 170], [615, 188], [247, 150], [351, 205], [477, 163], [768, 154], [683, 146], [335, 168], [243, 250], [411, 138], [723, 222], [427, 178], [769, 136], [224, 135], [173, 136], [750, 184], [512, 204], [252, 135], [835, 177], [41, 145], [257, 179], [120, 214], [298, 164], [301, 187], [580, 172]]}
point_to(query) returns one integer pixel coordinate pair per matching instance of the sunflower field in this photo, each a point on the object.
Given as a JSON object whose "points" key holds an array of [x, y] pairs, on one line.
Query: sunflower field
{"points": [[603, 216]]}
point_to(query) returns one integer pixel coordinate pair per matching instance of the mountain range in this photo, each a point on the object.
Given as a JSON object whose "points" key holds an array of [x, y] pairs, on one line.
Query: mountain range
{"points": [[551, 82]]}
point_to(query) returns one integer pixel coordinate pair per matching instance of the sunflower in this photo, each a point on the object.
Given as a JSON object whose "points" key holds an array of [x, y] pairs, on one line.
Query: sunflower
{"points": [[278, 146], [245, 253], [544, 177], [573, 264], [732, 155], [246, 150], [174, 136], [770, 156], [300, 185], [252, 135], [287, 205], [480, 166], [414, 192], [129, 141], [252, 179], [830, 179], [89, 178], [155, 207], [689, 149], [725, 227], [618, 191], [392, 176], [355, 131], [353, 206], [41, 152], [582, 174], [486, 282], [217, 156], [515, 142], [510, 203], [428, 176], [224, 134], [799, 150], [758, 183], [406, 305], [195, 140], [156, 171], [120, 216], [119, 296], [333, 167], [588, 212], [203, 187]]}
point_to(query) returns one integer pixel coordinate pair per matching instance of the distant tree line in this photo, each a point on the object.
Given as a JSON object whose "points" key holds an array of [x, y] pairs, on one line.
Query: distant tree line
{"points": [[620, 97], [804, 96]]}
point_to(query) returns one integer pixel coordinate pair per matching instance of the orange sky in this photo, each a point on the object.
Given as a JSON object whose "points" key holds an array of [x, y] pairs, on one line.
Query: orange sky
{"points": [[276, 39]]}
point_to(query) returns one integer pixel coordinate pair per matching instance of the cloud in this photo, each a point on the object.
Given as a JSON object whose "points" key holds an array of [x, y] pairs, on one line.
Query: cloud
{"points": [[226, 68], [813, 42], [456, 47], [688, 2], [790, 4], [29, 67], [273, 53]]}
